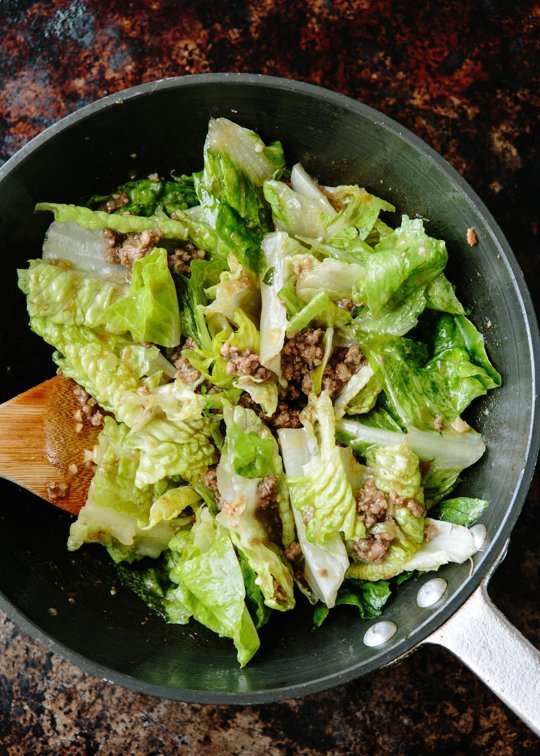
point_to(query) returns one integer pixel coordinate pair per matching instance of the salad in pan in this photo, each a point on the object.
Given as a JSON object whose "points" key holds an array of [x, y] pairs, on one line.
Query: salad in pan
{"points": [[279, 374]]}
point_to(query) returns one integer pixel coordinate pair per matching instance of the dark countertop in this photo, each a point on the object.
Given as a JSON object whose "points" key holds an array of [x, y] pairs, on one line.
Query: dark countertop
{"points": [[460, 75]]}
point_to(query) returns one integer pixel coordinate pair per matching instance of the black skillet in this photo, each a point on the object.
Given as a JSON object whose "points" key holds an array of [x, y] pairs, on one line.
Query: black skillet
{"points": [[162, 125]]}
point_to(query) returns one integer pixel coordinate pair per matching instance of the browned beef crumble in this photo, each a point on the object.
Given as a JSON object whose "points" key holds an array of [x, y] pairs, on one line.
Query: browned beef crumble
{"points": [[342, 365], [115, 202], [185, 371], [430, 531], [210, 479], [181, 256], [345, 304], [126, 248], [373, 548], [267, 493], [56, 491], [371, 504], [301, 353], [89, 408], [285, 416], [244, 362], [293, 552], [281, 596], [304, 352], [375, 506]]}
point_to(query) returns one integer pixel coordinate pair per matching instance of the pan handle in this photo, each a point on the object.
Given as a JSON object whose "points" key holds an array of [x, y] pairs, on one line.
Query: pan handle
{"points": [[492, 648]]}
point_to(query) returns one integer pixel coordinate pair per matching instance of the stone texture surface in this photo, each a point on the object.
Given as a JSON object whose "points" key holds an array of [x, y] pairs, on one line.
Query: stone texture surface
{"points": [[460, 75]]}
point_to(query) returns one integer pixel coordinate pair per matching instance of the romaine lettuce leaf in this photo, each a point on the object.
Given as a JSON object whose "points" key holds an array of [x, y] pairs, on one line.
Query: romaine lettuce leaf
{"points": [[210, 584], [454, 543], [150, 312], [368, 598], [117, 513], [237, 289], [184, 226], [239, 473], [324, 565], [276, 248], [146, 196], [404, 264], [460, 511], [67, 296], [236, 163], [322, 493]]}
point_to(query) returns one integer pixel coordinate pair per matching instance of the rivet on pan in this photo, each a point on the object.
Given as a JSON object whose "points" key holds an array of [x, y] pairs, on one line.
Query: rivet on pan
{"points": [[379, 633], [478, 533], [431, 592]]}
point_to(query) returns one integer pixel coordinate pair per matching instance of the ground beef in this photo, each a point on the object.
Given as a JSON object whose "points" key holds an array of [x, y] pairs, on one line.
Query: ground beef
{"points": [[345, 304], [342, 365], [210, 479], [305, 351], [180, 258], [281, 596], [89, 409], [415, 506], [115, 202], [284, 417], [126, 248], [56, 491], [185, 371], [299, 266], [371, 504], [430, 531], [267, 493], [244, 362], [293, 552], [302, 353], [372, 548]]}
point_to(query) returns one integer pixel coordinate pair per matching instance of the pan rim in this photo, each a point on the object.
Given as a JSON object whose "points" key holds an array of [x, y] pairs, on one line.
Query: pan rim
{"points": [[500, 538]]}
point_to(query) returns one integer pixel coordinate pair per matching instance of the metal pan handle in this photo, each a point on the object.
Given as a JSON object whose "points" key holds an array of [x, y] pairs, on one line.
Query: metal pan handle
{"points": [[492, 648]]}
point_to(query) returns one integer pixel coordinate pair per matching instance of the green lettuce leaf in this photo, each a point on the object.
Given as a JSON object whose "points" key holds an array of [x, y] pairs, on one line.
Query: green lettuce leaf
{"points": [[322, 493], [210, 584], [146, 197], [66, 296], [184, 226], [239, 514], [404, 264], [236, 163], [324, 565], [117, 512], [460, 358], [150, 312], [461, 511], [368, 598]]}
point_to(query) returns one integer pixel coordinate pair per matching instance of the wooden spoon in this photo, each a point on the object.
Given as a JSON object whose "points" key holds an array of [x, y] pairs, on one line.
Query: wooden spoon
{"points": [[42, 446]]}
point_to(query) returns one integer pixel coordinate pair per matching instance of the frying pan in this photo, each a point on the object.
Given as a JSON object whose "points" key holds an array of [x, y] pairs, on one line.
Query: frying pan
{"points": [[65, 600]]}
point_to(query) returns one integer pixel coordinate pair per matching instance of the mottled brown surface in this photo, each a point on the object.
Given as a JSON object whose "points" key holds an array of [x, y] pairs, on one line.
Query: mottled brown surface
{"points": [[461, 76]]}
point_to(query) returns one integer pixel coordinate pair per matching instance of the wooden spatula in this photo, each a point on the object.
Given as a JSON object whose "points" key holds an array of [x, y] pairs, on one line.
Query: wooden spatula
{"points": [[43, 438]]}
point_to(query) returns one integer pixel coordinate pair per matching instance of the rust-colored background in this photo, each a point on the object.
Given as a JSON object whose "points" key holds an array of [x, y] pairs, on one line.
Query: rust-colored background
{"points": [[459, 74]]}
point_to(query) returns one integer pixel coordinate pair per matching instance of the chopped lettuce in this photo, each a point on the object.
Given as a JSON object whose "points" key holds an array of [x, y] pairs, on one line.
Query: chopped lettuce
{"points": [[454, 543], [210, 585], [404, 262], [117, 514], [148, 196], [239, 514], [322, 494], [324, 564], [150, 312], [189, 477], [461, 511], [368, 598]]}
